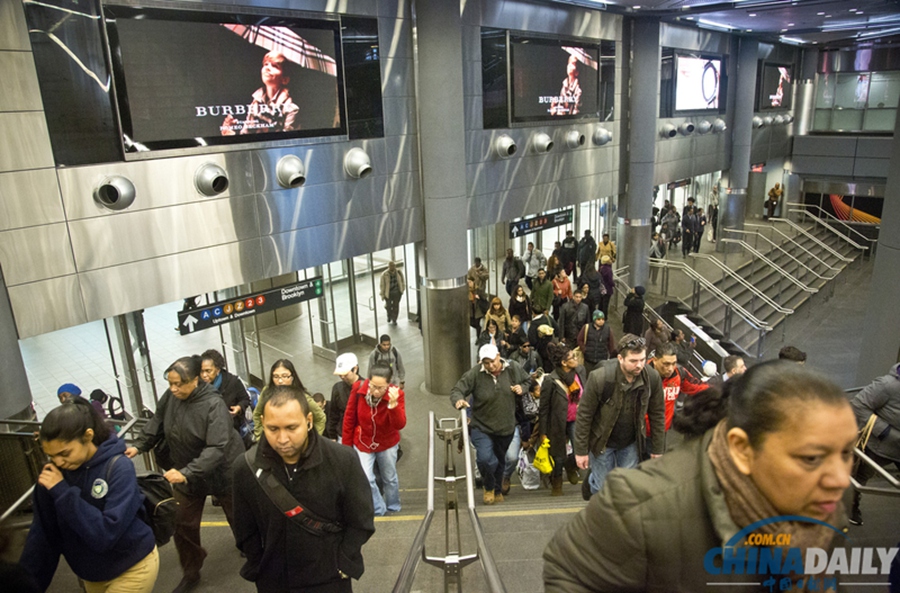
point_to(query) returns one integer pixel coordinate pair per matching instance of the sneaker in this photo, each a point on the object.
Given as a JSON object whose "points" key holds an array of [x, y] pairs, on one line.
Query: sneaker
{"points": [[498, 497], [504, 489], [856, 517], [586, 486], [488, 497]]}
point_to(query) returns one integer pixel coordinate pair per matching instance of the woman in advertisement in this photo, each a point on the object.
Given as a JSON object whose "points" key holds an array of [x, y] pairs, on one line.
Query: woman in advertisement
{"points": [[767, 459], [271, 109], [569, 102]]}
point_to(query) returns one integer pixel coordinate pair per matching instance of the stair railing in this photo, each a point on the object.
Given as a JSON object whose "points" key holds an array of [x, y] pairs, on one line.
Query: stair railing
{"points": [[784, 273], [802, 231], [787, 238], [755, 292], [775, 246]]}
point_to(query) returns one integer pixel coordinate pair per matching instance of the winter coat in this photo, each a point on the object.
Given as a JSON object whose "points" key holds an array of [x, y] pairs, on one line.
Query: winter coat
{"points": [[502, 319], [340, 395], [587, 247], [606, 277], [372, 430], [478, 275], [681, 381], [882, 398], [91, 518], [513, 270], [542, 294], [606, 249], [234, 394], [569, 251], [534, 260], [200, 437], [391, 359], [657, 523], [554, 410], [520, 308], [281, 555], [386, 283], [572, 320], [596, 419], [493, 402], [596, 345], [633, 318]]}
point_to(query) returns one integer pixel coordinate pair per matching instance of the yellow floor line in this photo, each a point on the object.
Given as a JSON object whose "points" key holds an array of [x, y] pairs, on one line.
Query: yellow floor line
{"points": [[483, 514]]}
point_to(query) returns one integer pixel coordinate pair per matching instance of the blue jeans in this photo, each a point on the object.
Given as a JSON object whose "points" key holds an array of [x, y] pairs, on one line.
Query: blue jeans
{"points": [[387, 467], [609, 460], [490, 455], [512, 454]]}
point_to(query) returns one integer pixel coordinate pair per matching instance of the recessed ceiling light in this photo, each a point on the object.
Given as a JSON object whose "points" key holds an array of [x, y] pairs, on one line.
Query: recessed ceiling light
{"points": [[853, 10], [827, 16], [637, 7], [783, 30], [752, 14], [859, 12], [749, 30], [690, 18], [820, 13], [790, 24]]}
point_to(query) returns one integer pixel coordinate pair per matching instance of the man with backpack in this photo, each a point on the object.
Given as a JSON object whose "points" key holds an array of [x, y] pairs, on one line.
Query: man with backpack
{"points": [[587, 248], [513, 271], [387, 355]]}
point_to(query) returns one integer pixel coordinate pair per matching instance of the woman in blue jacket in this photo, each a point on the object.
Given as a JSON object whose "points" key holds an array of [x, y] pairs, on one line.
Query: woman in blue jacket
{"points": [[86, 506]]}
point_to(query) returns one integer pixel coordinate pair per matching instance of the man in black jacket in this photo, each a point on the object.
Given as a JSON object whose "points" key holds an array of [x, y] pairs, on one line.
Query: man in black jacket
{"points": [[347, 368], [310, 539]]}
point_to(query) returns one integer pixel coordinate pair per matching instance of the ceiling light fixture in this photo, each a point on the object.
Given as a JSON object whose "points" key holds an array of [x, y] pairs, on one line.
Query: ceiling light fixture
{"points": [[820, 14], [752, 14], [790, 24], [715, 25], [791, 40]]}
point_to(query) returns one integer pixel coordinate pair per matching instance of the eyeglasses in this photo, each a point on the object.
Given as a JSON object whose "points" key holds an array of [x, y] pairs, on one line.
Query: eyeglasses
{"points": [[635, 344], [378, 388], [284, 377]]}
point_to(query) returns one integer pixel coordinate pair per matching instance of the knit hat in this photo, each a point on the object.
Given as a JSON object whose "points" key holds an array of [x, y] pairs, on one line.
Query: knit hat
{"points": [[639, 290], [68, 388], [98, 395], [598, 315], [709, 368]]}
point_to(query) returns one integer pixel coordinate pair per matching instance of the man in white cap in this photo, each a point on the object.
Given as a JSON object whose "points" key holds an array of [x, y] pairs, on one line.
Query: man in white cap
{"points": [[347, 368], [493, 384]]}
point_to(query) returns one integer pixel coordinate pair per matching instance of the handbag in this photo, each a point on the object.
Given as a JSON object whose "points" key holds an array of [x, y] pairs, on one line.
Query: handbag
{"points": [[542, 459], [529, 476], [863, 440]]}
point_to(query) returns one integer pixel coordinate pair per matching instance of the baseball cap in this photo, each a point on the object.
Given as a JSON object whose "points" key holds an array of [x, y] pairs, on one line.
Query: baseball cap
{"points": [[345, 363], [488, 351], [599, 315], [709, 368]]}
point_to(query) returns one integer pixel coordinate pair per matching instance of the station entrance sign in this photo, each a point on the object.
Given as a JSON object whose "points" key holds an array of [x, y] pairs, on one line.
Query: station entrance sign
{"points": [[248, 305], [541, 222]]}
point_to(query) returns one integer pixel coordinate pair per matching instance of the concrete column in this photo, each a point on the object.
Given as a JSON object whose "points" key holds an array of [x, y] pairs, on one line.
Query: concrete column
{"points": [[881, 346], [441, 125], [15, 393], [636, 209], [733, 201]]}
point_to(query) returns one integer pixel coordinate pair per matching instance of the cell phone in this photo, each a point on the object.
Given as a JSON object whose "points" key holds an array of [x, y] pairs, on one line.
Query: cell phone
{"points": [[693, 339]]}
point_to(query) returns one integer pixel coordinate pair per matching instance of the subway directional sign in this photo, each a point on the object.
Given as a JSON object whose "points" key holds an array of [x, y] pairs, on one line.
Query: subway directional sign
{"points": [[248, 305], [533, 224]]}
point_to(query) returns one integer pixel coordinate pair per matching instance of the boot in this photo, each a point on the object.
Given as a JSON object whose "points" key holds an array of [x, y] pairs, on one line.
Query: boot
{"points": [[556, 482], [855, 513], [572, 470]]}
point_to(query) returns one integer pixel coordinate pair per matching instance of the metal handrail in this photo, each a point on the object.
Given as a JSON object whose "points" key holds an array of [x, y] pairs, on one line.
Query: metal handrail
{"points": [[791, 240], [772, 264], [782, 250], [833, 230], [884, 473], [804, 208], [727, 300], [813, 238], [734, 275]]}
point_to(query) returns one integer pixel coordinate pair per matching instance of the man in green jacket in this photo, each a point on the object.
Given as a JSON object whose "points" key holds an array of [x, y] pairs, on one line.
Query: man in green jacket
{"points": [[609, 430], [542, 291]]}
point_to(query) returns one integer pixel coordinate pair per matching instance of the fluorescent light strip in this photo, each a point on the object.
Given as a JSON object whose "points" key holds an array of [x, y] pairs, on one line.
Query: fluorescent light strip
{"points": [[715, 25]]}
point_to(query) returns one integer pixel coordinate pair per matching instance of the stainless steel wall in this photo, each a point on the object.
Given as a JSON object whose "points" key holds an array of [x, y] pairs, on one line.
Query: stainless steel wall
{"points": [[67, 260], [528, 183]]}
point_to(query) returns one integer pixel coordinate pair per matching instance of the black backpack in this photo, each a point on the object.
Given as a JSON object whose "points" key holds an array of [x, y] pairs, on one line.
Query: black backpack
{"points": [[159, 508]]}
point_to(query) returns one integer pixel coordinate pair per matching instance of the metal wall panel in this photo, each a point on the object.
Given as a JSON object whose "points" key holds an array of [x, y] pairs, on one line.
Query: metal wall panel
{"points": [[13, 31], [303, 248], [24, 141], [35, 253], [874, 147], [824, 146], [138, 285], [393, 8], [692, 38], [20, 90], [396, 77], [158, 183], [29, 198], [356, 7], [871, 167], [822, 165], [145, 234], [49, 305]]}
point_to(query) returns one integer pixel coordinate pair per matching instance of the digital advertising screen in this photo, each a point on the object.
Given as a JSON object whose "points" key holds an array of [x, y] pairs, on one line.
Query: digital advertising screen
{"points": [[187, 79], [697, 83], [776, 86], [553, 79]]}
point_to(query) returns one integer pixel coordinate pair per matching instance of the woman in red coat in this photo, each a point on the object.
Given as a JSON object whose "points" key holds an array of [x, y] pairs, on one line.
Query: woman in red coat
{"points": [[376, 412]]}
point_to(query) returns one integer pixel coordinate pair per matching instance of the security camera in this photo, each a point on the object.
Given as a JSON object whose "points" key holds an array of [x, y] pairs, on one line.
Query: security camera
{"points": [[505, 146], [602, 136], [719, 126], [357, 163], [758, 122], [704, 127], [290, 172], [542, 142], [668, 131], [686, 129], [574, 139], [211, 179], [115, 192]]}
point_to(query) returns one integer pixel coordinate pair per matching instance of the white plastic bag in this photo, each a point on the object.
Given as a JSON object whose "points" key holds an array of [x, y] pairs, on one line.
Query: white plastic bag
{"points": [[529, 476]]}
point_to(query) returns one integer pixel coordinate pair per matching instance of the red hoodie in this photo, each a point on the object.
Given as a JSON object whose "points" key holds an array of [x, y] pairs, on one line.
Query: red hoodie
{"points": [[673, 387], [372, 429]]}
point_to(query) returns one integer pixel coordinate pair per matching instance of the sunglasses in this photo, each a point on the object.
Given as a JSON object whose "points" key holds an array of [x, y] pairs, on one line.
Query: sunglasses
{"points": [[635, 344]]}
